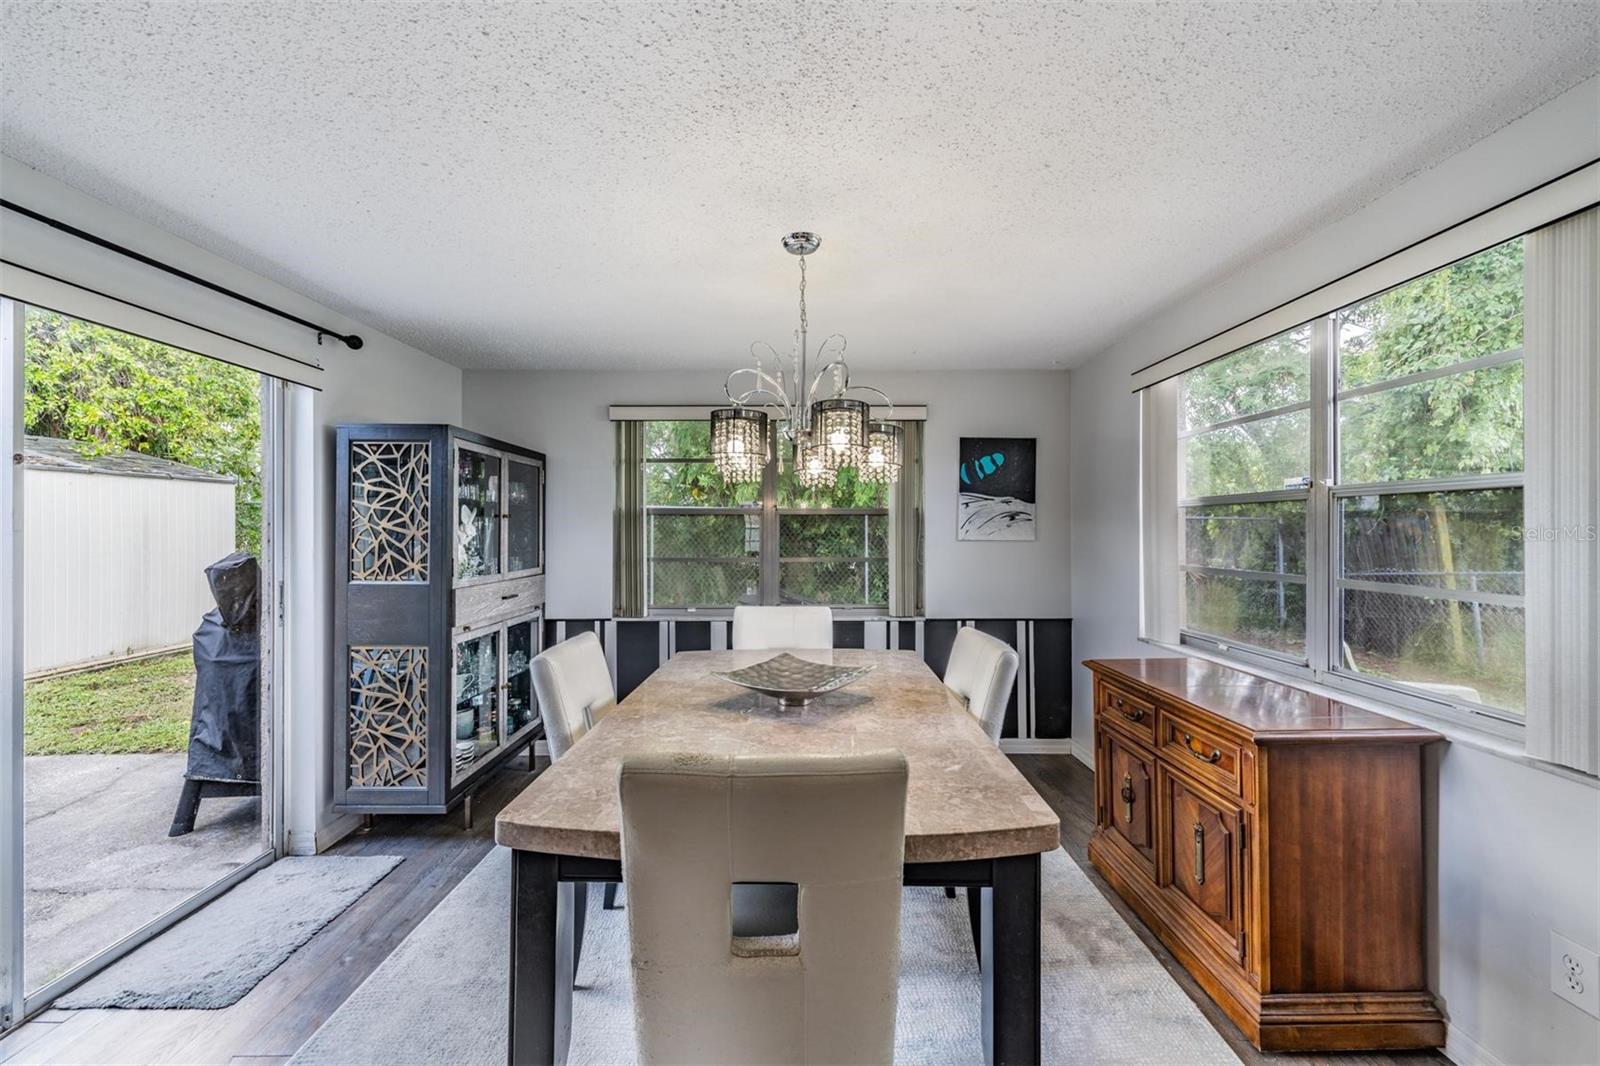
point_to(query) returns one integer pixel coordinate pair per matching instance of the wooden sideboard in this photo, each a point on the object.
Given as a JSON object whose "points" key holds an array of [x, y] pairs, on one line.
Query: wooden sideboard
{"points": [[1272, 839]]}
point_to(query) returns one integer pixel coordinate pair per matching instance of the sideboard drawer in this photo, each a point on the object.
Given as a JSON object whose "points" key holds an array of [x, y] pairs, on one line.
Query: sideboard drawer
{"points": [[1206, 752], [1135, 715]]}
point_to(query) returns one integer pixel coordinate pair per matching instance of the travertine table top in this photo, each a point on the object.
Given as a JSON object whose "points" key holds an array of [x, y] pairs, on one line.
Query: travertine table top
{"points": [[964, 801]]}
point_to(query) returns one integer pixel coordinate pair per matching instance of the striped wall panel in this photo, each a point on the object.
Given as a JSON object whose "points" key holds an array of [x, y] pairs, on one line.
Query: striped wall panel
{"points": [[1040, 711]]}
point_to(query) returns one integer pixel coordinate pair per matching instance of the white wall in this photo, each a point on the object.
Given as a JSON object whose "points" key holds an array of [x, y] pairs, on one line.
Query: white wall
{"points": [[563, 413], [385, 380], [115, 565], [1515, 849]]}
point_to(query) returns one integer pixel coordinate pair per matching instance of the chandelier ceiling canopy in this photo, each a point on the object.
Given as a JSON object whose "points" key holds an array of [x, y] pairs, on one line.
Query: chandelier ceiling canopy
{"points": [[828, 430]]}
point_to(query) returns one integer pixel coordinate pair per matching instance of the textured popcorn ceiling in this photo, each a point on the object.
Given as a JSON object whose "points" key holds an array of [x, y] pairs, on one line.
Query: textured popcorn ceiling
{"points": [[997, 185]]}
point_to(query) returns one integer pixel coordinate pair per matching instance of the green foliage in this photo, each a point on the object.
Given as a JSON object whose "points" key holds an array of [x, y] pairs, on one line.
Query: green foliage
{"points": [[1466, 423], [113, 391], [1273, 373], [140, 706], [1463, 423], [1266, 537], [678, 474]]}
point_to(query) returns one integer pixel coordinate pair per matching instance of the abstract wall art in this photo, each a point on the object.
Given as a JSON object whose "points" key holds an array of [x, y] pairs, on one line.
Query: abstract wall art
{"points": [[997, 487]]}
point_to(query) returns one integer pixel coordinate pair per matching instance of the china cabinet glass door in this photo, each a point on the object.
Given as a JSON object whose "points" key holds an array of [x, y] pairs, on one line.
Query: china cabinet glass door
{"points": [[521, 711], [477, 516], [477, 707], [523, 504]]}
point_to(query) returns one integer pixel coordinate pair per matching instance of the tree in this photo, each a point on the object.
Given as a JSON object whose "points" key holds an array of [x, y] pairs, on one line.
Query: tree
{"points": [[110, 391], [1467, 422]]}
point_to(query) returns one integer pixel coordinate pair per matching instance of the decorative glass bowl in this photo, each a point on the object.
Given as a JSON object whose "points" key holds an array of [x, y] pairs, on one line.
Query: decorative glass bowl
{"points": [[795, 682]]}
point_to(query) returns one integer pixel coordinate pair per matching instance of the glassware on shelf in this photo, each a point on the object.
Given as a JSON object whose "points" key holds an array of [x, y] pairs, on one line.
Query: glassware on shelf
{"points": [[521, 711], [477, 686], [477, 513], [522, 516]]}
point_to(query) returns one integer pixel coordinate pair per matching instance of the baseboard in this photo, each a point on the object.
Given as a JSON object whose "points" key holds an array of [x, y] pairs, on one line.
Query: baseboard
{"points": [[1084, 753], [1462, 1050], [1022, 746], [329, 835]]}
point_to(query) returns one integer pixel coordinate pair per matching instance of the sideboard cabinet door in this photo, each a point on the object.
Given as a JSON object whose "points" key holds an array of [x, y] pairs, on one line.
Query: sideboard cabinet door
{"points": [[1202, 851], [1128, 803]]}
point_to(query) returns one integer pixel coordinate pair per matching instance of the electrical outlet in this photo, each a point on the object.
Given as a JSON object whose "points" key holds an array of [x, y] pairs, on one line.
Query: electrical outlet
{"points": [[1575, 973]]}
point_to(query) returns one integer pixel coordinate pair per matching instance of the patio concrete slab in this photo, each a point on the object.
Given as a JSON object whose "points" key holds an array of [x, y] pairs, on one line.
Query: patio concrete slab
{"points": [[98, 861]]}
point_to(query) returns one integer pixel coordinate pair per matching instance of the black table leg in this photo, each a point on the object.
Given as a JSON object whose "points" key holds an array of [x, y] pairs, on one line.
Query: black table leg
{"points": [[1010, 953], [542, 920]]}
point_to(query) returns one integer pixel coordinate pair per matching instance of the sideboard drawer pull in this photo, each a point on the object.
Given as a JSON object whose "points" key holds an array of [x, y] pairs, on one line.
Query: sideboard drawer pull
{"points": [[1199, 854], [511, 595], [1135, 715], [1199, 753]]}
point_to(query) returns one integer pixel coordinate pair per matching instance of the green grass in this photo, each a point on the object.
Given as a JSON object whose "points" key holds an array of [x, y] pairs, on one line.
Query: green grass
{"points": [[136, 707]]}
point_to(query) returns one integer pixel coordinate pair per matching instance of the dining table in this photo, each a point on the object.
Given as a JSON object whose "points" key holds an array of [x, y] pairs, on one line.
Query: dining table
{"points": [[972, 821]]}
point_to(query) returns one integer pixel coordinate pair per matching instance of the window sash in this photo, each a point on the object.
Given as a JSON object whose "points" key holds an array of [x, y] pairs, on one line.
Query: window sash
{"points": [[769, 558], [1245, 420], [1323, 578]]}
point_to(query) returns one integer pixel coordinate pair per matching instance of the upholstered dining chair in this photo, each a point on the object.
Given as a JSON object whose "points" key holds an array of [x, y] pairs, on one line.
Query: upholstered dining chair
{"points": [[572, 682], [694, 825], [758, 628], [982, 671]]}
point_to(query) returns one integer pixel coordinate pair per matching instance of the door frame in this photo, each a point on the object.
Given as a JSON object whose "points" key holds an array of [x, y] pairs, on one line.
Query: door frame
{"points": [[17, 1004], [12, 1007]]}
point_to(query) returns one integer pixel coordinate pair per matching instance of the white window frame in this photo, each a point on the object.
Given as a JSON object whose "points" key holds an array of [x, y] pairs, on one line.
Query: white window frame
{"points": [[769, 515], [1323, 663]]}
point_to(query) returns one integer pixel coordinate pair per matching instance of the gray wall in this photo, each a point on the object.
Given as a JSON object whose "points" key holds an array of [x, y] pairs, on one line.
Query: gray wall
{"points": [[563, 413], [1514, 849]]}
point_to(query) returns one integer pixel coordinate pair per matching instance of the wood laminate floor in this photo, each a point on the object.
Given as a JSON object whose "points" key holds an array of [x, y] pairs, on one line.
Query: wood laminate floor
{"points": [[282, 1012]]}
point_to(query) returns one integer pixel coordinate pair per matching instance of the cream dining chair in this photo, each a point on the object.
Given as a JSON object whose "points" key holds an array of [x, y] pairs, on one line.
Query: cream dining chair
{"points": [[572, 682], [692, 827], [982, 671], [760, 628]]}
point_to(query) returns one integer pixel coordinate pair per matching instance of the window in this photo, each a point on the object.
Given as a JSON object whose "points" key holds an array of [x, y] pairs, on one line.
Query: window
{"points": [[1350, 491], [713, 545], [1245, 462]]}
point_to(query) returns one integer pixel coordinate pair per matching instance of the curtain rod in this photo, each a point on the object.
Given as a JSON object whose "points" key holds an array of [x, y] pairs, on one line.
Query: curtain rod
{"points": [[1587, 203], [351, 340]]}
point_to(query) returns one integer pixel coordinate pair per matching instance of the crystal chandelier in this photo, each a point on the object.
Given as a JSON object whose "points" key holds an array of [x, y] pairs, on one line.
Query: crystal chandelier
{"points": [[829, 432]]}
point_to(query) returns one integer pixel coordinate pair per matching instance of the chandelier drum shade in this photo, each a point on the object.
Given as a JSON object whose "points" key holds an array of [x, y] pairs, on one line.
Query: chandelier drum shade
{"points": [[827, 428], [739, 443], [885, 447], [839, 428], [811, 467]]}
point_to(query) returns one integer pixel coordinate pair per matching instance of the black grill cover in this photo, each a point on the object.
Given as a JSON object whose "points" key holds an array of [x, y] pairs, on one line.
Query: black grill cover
{"points": [[225, 728]]}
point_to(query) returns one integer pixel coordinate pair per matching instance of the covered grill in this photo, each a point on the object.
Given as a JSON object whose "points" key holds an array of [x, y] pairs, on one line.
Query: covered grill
{"points": [[225, 725]]}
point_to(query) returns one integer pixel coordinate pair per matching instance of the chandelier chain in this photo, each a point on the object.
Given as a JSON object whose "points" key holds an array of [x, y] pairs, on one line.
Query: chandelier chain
{"points": [[803, 322]]}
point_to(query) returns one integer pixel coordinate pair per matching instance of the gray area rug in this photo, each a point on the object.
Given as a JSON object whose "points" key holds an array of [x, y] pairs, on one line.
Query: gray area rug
{"points": [[1106, 998], [212, 958]]}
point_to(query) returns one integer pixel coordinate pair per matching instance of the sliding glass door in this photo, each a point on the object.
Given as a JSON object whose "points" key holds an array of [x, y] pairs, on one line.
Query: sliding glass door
{"points": [[139, 734]]}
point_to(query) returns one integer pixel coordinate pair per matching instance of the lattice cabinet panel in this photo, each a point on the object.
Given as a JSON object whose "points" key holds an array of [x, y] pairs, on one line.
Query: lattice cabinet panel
{"points": [[388, 717], [389, 482], [439, 612]]}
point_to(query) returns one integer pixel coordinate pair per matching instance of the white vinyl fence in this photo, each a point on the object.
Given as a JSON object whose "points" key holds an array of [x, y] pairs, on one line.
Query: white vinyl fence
{"points": [[114, 565]]}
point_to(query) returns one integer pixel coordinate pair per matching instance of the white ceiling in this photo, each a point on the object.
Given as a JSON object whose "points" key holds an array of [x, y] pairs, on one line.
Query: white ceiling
{"points": [[530, 185]]}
